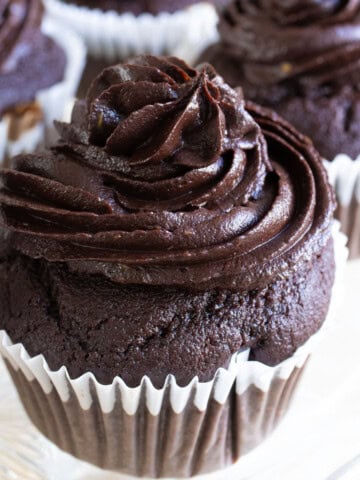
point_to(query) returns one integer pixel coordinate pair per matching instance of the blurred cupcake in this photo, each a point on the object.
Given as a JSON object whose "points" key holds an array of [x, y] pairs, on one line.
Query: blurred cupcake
{"points": [[114, 30], [303, 60], [176, 261], [40, 67]]}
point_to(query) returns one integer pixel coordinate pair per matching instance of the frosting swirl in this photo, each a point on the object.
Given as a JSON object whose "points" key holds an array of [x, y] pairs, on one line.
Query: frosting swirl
{"points": [[166, 177], [306, 43], [29, 61]]}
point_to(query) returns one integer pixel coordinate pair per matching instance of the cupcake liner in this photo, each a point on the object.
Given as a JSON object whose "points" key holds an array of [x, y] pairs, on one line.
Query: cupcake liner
{"points": [[52, 101], [28, 142], [3, 137], [169, 432], [112, 36], [186, 50], [344, 175]]}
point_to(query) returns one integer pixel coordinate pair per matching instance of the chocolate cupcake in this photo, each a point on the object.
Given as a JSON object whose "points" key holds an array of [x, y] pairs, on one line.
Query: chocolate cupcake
{"points": [[178, 239], [34, 66], [302, 60], [115, 30]]}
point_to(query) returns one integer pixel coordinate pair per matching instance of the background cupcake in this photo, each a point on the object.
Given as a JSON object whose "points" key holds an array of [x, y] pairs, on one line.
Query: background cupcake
{"points": [[40, 67], [171, 282], [302, 60]]}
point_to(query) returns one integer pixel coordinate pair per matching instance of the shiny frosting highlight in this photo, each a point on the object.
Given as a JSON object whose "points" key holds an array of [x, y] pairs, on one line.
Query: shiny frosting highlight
{"points": [[165, 176], [304, 42], [29, 60]]}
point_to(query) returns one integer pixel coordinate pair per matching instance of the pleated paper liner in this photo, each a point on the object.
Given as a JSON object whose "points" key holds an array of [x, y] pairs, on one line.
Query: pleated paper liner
{"points": [[172, 432], [344, 175], [52, 101], [168, 444], [3, 139], [114, 37]]}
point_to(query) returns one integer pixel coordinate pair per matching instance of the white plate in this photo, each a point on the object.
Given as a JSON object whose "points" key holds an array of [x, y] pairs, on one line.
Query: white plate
{"points": [[318, 440]]}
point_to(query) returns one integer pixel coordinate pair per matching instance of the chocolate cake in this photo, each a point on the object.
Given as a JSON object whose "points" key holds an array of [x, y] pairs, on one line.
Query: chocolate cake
{"points": [[300, 58], [173, 225]]}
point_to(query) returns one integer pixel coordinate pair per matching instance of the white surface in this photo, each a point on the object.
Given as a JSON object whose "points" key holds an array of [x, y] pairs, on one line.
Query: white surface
{"points": [[318, 440]]}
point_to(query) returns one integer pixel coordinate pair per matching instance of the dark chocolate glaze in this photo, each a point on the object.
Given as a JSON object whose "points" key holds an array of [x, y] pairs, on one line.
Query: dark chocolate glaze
{"points": [[166, 230], [140, 6], [301, 58], [29, 60]]}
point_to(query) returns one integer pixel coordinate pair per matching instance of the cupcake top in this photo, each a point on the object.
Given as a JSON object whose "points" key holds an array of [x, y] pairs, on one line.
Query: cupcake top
{"points": [[29, 60], [140, 6], [300, 58], [287, 48], [165, 176]]}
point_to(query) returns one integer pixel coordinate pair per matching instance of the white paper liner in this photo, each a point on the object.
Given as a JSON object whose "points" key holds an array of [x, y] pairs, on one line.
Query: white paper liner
{"points": [[186, 51], [344, 175], [244, 372], [112, 36], [28, 141], [3, 139], [53, 101]]}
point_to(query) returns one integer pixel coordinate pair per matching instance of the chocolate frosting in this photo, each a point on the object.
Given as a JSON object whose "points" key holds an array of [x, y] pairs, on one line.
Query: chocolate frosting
{"points": [[29, 60], [166, 177], [300, 44]]}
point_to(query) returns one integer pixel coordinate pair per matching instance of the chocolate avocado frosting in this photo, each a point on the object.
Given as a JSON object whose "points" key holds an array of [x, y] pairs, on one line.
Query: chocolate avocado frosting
{"points": [[29, 60], [173, 225], [140, 6], [300, 58]]}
